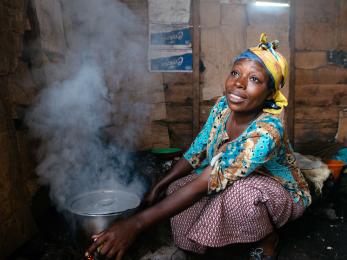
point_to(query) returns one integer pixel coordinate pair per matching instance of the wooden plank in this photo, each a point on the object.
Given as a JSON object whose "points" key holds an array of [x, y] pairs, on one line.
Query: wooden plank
{"points": [[179, 114], [316, 120], [310, 59], [196, 72], [312, 148], [177, 78], [329, 74], [321, 95], [307, 112], [315, 125], [314, 135], [179, 93]]}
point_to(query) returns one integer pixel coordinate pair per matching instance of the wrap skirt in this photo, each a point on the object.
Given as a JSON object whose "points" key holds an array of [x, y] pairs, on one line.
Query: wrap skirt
{"points": [[245, 212]]}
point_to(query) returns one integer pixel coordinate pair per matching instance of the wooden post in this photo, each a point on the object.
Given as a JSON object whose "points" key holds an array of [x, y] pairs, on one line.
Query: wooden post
{"points": [[196, 72], [291, 95]]}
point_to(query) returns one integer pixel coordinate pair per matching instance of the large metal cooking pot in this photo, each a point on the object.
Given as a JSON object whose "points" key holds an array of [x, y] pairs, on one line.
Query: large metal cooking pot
{"points": [[92, 212]]}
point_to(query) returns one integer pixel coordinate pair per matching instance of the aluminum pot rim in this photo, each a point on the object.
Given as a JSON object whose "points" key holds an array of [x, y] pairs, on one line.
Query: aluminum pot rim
{"points": [[115, 213]]}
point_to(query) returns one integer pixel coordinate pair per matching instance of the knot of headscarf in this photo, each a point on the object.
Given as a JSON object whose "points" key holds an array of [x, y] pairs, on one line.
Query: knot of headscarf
{"points": [[277, 68]]}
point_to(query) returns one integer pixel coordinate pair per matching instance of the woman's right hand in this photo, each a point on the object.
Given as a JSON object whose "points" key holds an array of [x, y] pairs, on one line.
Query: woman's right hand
{"points": [[114, 241]]}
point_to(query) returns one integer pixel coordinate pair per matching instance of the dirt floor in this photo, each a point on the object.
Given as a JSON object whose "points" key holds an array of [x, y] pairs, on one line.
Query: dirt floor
{"points": [[320, 234]]}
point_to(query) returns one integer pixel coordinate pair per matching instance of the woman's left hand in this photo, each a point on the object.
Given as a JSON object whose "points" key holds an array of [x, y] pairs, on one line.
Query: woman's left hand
{"points": [[114, 241]]}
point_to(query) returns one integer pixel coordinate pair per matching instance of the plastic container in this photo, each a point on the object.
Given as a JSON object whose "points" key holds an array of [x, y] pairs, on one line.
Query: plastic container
{"points": [[335, 166], [167, 153]]}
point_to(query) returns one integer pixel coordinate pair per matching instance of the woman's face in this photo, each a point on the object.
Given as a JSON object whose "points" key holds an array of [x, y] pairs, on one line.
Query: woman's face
{"points": [[246, 87]]}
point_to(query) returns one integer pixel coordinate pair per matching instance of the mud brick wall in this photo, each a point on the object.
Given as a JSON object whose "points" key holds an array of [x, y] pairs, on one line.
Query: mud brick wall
{"points": [[320, 87], [16, 223]]}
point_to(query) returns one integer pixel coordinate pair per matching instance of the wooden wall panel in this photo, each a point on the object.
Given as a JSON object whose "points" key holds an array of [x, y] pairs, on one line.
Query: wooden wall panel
{"points": [[321, 95], [179, 114], [320, 87], [179, 93]]}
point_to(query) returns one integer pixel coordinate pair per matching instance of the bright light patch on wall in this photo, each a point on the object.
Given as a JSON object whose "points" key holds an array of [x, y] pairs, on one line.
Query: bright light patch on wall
{"points": [[273, 4]]}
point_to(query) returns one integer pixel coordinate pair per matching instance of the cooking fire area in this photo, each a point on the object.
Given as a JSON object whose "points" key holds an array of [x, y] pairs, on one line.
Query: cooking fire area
{"points": [[65, 234], [317, 235]]}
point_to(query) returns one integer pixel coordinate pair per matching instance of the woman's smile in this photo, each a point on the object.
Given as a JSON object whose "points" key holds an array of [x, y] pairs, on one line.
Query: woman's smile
{"points": [[236, 98], [246, 88]]}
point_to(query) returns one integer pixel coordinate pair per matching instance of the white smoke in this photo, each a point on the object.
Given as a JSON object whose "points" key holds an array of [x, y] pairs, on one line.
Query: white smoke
{"points": [[89, 91]]}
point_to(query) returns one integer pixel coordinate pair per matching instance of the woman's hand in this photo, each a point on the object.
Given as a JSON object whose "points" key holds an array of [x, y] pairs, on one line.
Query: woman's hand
{"points": [[180, 169], [152, 196], [114, 241]]}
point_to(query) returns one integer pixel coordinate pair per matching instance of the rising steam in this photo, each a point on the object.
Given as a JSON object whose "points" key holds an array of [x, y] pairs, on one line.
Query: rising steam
{"points": [[89, 91]]}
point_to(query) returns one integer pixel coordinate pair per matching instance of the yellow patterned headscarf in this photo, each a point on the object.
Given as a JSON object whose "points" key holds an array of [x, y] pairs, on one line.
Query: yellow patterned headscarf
{"points": [[276, 66]]}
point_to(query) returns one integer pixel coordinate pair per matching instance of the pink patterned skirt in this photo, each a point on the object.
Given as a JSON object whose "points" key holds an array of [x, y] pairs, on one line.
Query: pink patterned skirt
{"points": [[244, 212]]}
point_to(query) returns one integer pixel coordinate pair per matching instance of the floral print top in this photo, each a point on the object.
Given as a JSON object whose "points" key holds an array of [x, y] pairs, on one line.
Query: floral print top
{"points": [[262, 148]]}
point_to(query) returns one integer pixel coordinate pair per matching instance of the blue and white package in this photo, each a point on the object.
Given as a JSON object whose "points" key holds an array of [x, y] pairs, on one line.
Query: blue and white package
{"points": [[171, 60], [175, 36]]}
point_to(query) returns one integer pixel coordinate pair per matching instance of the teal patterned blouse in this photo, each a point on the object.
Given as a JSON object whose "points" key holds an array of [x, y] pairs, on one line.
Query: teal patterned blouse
{"points": [[262, 148]]}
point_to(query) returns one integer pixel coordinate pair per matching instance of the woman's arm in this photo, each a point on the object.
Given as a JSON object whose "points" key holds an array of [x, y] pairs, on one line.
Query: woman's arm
{"points": [[119, 237], [180, 169], [196, 152]]}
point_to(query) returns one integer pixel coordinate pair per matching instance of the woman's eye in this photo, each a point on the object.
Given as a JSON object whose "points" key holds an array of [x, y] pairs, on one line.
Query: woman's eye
{"points": [[234, 73], [255, 79]]}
